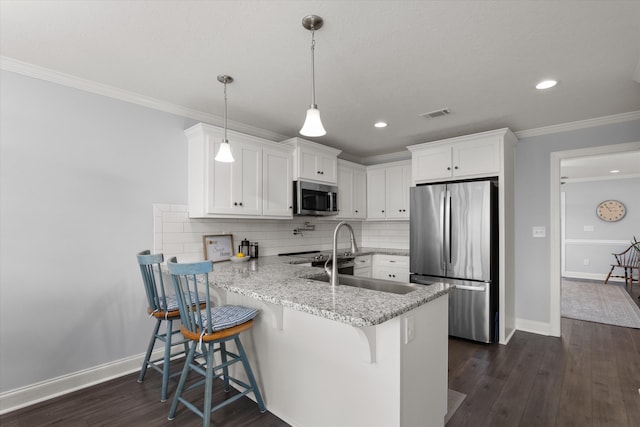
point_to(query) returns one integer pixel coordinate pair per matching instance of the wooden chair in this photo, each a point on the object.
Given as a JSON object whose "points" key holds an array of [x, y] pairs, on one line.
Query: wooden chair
{"points": [[628, 261], [210, 330], [164, 308]]}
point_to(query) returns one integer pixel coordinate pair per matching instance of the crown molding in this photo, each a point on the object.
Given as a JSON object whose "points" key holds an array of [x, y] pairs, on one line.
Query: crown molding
{"points": [[30, 70], [387, 158], [581, 124]]}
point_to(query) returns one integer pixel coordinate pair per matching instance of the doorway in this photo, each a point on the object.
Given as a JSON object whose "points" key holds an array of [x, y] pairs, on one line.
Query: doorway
{"points": [[555, 229]]}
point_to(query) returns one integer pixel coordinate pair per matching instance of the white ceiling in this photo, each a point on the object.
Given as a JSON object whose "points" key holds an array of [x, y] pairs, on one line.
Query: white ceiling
{"points": [[600, 166], [375, 60]]}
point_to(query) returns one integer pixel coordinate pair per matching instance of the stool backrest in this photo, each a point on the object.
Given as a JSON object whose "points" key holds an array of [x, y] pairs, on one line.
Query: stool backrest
{"points": [[152, 278], [188, 279]]}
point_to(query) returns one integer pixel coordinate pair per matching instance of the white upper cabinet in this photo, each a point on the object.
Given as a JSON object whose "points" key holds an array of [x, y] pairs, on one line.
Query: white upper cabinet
{"points": [[352, 190], [376, 194], [236, 186], [314, 162], [397, 183], [258, 179], [277, 184], [388, 190], [457, 158]]}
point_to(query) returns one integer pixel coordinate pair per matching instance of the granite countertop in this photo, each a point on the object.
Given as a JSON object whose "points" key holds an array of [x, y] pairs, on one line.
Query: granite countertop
{"points": [[282, 280]]}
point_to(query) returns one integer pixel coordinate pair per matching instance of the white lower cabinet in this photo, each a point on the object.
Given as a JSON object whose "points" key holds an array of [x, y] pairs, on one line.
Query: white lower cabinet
{"points": [[390, 267], [362, 266]]}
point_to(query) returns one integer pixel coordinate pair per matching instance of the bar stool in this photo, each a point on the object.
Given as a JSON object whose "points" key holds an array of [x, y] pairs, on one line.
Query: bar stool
{"points": [[210, 330], [165, 309]]}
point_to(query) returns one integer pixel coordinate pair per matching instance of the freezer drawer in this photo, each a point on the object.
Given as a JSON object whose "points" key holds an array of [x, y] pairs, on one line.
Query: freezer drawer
{"points": [[470, 312]]}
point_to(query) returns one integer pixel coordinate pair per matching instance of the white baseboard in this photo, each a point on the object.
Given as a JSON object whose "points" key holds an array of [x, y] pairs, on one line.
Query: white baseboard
{"points": [[533, 326], [589, 276], [45, 390]]}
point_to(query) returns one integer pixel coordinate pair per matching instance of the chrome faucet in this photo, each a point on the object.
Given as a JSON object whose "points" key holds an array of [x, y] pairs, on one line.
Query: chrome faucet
{"points": [[333, 273]]}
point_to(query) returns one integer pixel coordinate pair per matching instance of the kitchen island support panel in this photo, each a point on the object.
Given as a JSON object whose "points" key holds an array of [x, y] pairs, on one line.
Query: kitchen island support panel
{"points": [[312, 371]]}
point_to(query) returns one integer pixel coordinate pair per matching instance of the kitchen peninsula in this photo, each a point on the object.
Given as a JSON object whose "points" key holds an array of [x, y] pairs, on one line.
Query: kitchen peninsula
{"points": [[345, 356]]}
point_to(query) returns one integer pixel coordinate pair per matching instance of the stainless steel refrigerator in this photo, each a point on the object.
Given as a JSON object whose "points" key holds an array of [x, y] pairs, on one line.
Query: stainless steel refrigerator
{"points": [[453, 238]]}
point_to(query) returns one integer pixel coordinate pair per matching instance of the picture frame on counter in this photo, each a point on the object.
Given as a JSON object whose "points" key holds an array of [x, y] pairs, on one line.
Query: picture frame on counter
{"points": [[218, 247]]}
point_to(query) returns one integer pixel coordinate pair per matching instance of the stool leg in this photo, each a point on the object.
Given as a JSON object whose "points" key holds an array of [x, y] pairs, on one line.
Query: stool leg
{"points": [[147, 356], [183, 380], [167, 356], [252, 380], [225, 370], [208, 386]]}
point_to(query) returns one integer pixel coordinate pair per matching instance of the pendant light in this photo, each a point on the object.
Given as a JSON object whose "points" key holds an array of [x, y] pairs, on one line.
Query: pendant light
{"points": [[224, 152], [312, 124]]}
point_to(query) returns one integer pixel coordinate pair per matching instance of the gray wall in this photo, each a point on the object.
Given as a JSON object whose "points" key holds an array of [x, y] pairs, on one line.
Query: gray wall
{"points": [[78, 176], [79, 173], [533, 207], [596, 246]]}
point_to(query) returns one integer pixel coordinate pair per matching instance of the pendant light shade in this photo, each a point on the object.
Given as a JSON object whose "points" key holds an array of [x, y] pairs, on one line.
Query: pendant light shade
{"points": [[312, 124], [224, 152]]}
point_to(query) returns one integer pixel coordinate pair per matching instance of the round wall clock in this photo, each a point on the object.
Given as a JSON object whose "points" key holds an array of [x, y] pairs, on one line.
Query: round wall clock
{"points": [[611, 210]]}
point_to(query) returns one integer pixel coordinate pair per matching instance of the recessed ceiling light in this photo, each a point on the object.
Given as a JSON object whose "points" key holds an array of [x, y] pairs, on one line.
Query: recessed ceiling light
{"points": [[381, 124], [614, 171], [546, 84]]}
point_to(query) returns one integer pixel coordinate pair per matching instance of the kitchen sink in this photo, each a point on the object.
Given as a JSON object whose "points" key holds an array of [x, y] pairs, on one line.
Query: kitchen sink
{"points": [[372, 284]]}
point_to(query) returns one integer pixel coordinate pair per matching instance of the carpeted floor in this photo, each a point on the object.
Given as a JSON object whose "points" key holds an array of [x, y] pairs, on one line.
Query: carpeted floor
{"points": [[597, 302], [454, 400]]}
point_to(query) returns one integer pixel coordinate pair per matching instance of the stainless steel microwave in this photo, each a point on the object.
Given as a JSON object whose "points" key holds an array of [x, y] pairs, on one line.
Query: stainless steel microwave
{"points": [[312, 199]]}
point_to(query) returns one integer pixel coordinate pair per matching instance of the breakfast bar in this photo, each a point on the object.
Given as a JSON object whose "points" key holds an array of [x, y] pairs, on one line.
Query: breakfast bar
{"points": [[342, 356]]}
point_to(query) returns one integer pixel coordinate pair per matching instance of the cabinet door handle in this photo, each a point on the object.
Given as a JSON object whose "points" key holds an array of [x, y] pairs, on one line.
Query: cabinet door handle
{"points": [[382, 211], [356, 211], [448, 168], [290, 207], [391, 260], [235, 204], [240, 203], [455, 167]]}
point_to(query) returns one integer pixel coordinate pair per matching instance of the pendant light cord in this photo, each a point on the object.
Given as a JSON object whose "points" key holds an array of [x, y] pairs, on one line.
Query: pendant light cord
{"points": [[313, 70], [225, 112]]}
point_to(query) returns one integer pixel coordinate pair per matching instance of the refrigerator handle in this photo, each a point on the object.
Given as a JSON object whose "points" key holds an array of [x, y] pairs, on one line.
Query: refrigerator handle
{"points": [[446, 233], [443, 227], [449, 238]]}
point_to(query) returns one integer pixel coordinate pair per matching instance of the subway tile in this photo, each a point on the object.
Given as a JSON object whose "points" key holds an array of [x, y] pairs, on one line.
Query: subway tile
{"points": [[175, 217], [172, 227]]}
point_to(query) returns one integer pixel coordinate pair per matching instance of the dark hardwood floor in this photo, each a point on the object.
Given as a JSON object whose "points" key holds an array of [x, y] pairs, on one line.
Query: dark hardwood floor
{"points": [[589, 377]]}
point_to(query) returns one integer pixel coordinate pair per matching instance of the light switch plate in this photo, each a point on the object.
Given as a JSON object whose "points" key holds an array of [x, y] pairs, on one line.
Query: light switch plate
{"points": [[539, 231]]}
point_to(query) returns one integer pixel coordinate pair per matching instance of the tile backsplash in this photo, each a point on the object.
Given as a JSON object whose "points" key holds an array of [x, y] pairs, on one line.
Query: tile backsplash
{"points": [[175, 234]]}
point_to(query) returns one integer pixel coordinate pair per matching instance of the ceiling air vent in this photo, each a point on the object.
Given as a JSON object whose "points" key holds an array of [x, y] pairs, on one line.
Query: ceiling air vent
{"points": [[436, 113]]}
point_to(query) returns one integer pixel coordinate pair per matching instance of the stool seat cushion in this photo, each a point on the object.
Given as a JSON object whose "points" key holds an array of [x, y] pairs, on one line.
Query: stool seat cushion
{"points": [[172, 301], [227, 316]]}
